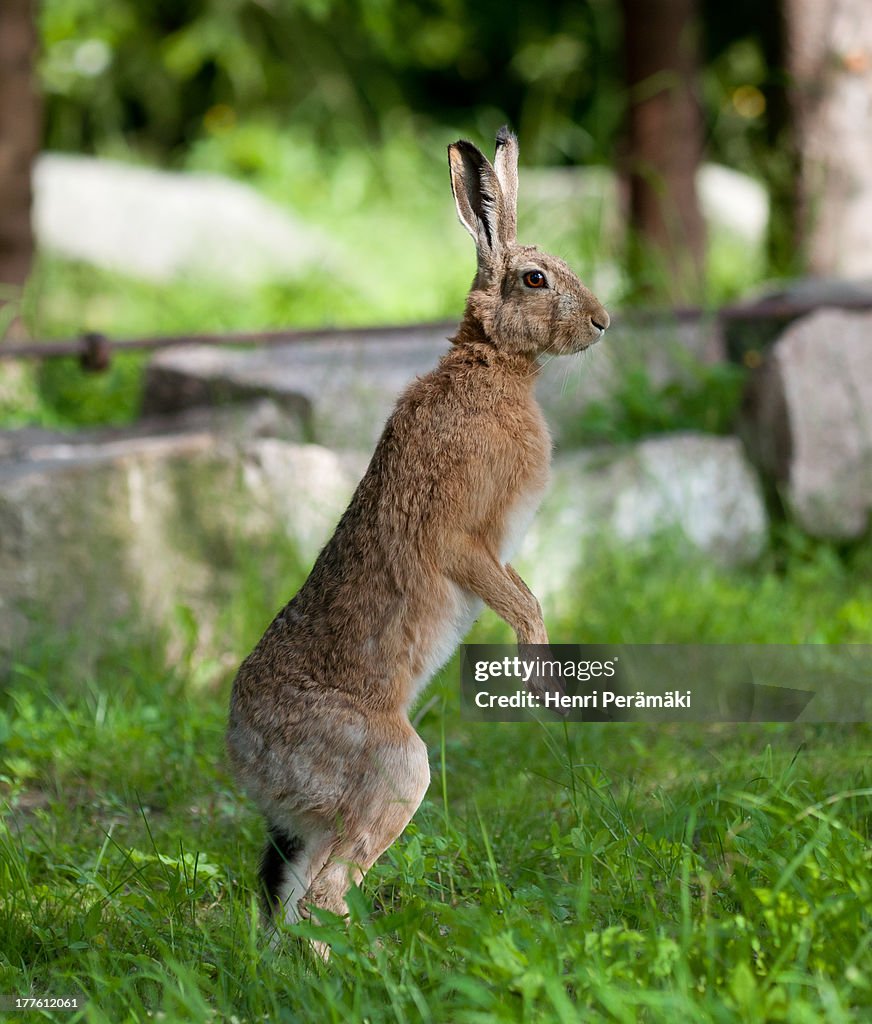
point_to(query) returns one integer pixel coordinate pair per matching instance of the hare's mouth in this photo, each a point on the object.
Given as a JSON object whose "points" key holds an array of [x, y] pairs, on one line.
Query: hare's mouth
{"points": [[589, 339]]}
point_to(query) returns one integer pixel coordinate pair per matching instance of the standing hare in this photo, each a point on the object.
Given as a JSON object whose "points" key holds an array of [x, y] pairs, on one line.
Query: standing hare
{"points": [[319, 732]]}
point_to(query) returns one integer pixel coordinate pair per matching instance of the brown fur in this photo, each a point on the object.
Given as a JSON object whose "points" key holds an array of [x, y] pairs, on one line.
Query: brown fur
{"points": [[319, 731]]}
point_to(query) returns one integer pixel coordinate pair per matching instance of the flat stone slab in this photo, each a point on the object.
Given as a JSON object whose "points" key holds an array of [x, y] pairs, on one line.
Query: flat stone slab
{"points": [[159, 225], [126, 527], [345, 386], [807, 421], [730, 200]]}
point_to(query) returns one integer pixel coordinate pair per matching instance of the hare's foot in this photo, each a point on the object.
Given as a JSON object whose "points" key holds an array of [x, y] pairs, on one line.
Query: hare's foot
{"points": [[389, 795]]}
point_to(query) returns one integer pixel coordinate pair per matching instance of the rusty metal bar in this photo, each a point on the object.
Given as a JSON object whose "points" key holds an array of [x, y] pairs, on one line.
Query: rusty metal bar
{"points": [[95, 351], [772, 308], [92, 348]]}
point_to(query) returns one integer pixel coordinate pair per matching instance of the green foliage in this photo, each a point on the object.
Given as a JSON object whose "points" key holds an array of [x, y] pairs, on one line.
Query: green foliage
{"points": [[161, 73], [553, 873], [336, 109], [735, 268], [707, 401], [86, 398], [156, 80]]}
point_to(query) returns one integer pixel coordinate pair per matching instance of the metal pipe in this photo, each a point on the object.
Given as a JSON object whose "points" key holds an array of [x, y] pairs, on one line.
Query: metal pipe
{"points": [[95, 351], [92, 347]]}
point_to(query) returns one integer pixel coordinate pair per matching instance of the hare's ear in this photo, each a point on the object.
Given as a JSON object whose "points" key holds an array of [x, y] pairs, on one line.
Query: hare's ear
{"points": [[479, 200], [506, 167]]}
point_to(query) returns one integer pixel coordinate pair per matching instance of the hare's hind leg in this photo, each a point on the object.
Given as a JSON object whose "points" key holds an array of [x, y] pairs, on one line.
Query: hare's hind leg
{"points": [[389, 794], [289, 863], [277, 865]]}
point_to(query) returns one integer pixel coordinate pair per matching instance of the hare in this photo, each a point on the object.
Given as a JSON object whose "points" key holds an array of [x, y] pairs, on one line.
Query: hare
{"points": [[319, 732]]}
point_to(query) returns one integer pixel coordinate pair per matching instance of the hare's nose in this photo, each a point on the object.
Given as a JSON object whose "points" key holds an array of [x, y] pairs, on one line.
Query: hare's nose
{"points": [[600, 320]]}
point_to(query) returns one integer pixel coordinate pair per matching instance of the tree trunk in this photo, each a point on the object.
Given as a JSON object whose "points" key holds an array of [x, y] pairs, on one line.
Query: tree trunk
{"points": [[19, 139], [665, 142], [829, 50]]}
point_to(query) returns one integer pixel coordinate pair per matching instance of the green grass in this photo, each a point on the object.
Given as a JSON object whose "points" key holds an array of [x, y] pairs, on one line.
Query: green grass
{"points": [[588, 872]]}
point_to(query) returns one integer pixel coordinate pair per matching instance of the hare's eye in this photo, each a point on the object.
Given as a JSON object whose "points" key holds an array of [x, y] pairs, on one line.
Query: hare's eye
{"points": [[534, 279]]}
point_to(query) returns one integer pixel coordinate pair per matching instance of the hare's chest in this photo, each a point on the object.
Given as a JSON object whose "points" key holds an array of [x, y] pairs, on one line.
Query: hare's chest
{"points": [[532, 474], [520, 515]]}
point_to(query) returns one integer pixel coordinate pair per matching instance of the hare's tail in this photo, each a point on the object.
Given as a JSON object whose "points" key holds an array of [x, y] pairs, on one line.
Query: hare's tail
{"points": [[280, 870]]}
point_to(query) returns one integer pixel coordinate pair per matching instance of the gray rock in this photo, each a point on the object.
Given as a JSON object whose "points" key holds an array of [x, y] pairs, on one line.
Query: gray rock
{"points": [[242, 421], [127, 526], [769, 311], [345, 385], [807, 421], [734, 201], [159, 225], [344, 388], [822, 291], [730, 200], [701, 488], [121, 527]]}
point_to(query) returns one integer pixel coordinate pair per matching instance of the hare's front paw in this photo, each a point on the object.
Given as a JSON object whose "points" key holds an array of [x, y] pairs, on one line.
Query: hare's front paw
{"points": [[540, 679]]}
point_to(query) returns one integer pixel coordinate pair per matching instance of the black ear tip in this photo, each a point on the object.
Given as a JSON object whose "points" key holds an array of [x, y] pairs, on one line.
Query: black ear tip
{"points": [[505, 135]]}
